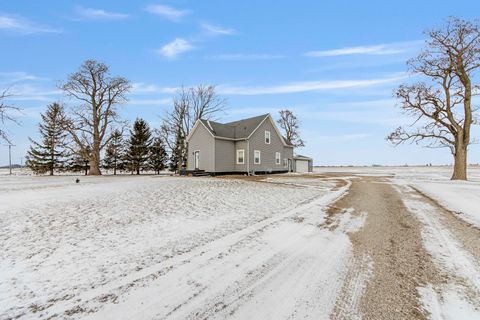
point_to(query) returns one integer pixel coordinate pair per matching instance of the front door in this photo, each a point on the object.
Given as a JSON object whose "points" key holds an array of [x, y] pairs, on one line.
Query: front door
{"points": [[197, 160]]}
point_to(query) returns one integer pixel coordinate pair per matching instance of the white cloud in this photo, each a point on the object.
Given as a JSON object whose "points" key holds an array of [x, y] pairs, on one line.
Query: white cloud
{"points": [[15, 76], [242, 56], [174, 48], [306, 86], [381, 49], [27, 92], [216, 30], [167, 12], [150, 102], [100, 14], [343, 137], [23, 26], [140, 87]]}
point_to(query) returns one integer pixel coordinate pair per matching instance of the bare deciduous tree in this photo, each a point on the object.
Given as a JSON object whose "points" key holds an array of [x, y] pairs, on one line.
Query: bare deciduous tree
{"points": [[442, 108], [6, 114], [291, 125], [90, 122], [190, 104]]}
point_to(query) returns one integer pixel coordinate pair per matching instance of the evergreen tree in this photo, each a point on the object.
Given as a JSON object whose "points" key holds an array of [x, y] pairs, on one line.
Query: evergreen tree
{"points": [[158, 155], [78, 163], [114, 152], [138, 146], [178, 155], [49, 154]]}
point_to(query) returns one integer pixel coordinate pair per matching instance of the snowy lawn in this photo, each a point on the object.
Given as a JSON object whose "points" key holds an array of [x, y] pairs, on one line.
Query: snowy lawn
{"points": [[60, 239]]}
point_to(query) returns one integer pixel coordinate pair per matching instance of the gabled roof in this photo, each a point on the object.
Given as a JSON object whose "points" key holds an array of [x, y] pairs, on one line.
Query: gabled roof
{"points": [[240, 129], [237, 130]]}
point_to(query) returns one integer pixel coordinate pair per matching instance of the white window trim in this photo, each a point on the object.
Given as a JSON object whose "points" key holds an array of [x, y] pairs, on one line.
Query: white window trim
{"points": [[267, 133], [278, 158], [285, 162], [255, 157], [243, 157]]}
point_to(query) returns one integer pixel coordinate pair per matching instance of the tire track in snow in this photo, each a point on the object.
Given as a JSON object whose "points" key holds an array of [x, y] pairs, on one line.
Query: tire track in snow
{"points": [[260, 265], [459, 297]]}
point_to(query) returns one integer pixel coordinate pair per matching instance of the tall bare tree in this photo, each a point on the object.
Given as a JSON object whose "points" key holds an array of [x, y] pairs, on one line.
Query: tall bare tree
{"points": [[189, 105], [291, 126], [90, 122], [6, 111], [442, 107]]}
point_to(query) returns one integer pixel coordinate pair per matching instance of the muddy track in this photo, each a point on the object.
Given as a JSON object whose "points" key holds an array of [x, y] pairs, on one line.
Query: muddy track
{"points": [[390, 242]]}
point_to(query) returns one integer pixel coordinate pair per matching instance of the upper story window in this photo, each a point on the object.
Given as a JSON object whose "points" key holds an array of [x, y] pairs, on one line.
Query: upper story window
{"points": [[267, 137], [240, 156], [257, 157], [278, 157]]}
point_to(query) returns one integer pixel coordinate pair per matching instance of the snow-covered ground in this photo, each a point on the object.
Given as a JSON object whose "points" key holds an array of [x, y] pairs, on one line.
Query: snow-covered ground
{"points": [[65, 244], [461, 197], [155, 247]]}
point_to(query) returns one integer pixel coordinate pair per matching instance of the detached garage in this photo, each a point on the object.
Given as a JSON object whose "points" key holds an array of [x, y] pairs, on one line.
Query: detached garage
{"points": [[302, 164]]}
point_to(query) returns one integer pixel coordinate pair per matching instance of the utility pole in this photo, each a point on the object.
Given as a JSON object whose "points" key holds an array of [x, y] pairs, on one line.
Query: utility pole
{"points": [[10, 156]]}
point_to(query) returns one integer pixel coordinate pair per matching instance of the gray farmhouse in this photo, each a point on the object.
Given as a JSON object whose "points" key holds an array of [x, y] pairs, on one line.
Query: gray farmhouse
{"points": [[253, 145]]}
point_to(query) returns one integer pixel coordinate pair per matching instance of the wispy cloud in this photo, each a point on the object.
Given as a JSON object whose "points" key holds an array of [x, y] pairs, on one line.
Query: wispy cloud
{"points": [[15, 76], [243, 56], [344, 137], [140, 87], [91, 13], [175, 48], [167, 12], [216, 30], [150, 102], [23, 26], [306, 86], [380, 49], [28, 92]]}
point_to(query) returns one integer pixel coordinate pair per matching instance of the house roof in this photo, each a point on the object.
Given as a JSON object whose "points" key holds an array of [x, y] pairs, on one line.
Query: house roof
{"points": [[300, 157], [236, 130], [240, 129]]}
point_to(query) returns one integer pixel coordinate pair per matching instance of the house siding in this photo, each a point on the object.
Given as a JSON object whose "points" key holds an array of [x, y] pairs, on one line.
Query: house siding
{"points": [[267, 161], [220, 155], [204, 142], [225, 155], [240, 145]]}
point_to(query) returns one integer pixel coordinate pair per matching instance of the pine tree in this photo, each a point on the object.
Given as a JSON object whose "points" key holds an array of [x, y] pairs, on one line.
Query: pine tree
{"points": [[114, 152], [138, 146], [178, 155], [158, 155], [78, 163], [49, 154]]}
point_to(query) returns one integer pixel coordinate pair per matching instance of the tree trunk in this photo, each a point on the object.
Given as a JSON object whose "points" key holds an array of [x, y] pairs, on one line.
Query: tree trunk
{"points": [[95, 164], [460, 163]]}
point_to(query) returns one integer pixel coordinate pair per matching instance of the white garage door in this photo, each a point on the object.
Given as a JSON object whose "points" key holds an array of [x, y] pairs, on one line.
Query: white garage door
{"points": [[302, 166]]}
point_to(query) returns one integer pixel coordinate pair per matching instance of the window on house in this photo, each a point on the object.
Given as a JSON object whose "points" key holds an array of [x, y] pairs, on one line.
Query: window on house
{"points": [[285, 162], [241, 156], [278, 157], [256, 156], [267, 137]]}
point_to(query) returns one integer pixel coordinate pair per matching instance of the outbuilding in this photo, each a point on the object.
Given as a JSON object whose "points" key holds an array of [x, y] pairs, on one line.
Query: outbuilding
{"points": [[302, 164]]}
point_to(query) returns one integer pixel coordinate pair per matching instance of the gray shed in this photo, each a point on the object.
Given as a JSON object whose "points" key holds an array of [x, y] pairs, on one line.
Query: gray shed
{"points": [[302, 164]]}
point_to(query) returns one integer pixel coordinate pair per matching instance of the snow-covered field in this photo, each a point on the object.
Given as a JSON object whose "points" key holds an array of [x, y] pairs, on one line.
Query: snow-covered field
{"points": [[156, 247], [66, 244]]}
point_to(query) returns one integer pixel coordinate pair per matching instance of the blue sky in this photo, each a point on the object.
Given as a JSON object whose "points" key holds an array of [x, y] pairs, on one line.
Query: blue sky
{"points": [[334, 63]]}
